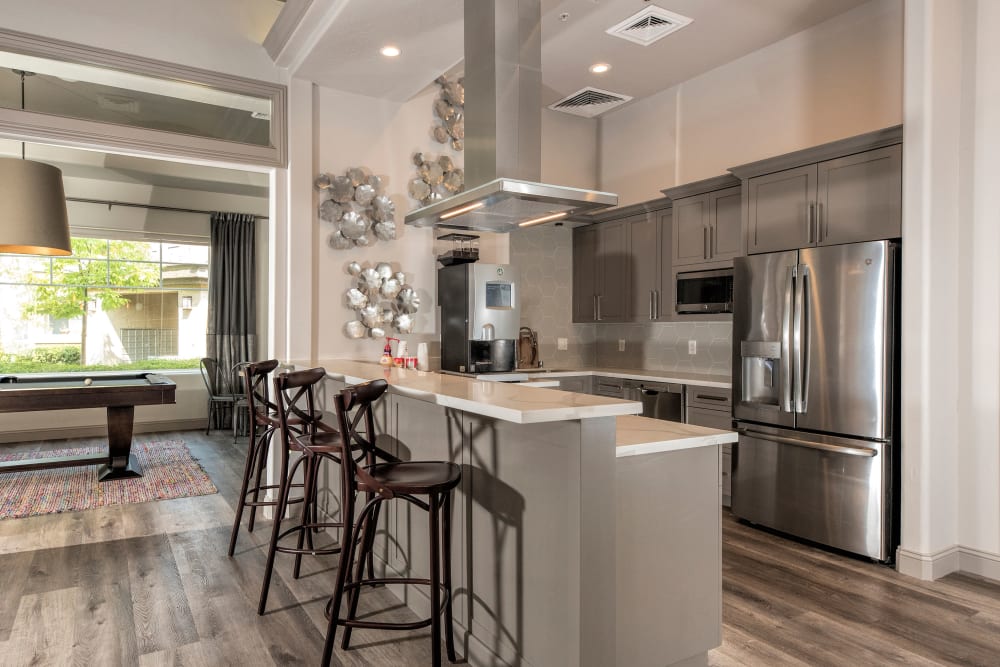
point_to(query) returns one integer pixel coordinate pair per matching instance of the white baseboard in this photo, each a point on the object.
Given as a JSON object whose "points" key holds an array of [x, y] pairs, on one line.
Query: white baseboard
{"points": [[978, 562], [953, 559], [96, 431]]}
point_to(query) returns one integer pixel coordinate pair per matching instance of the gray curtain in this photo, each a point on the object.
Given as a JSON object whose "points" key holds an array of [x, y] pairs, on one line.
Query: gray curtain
{"points": [[232, 290]]}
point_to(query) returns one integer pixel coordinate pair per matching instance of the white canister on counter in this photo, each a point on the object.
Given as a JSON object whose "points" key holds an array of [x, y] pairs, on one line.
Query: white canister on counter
{"points": [[423, 363]]}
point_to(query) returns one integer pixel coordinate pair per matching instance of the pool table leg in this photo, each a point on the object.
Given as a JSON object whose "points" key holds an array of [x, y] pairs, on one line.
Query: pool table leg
{"points": [[122, 463]]}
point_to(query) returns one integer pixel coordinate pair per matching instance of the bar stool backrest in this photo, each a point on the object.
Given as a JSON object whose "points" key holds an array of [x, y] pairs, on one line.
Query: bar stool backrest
{"points": [[257, 390], [295, 394], [361, 444]]}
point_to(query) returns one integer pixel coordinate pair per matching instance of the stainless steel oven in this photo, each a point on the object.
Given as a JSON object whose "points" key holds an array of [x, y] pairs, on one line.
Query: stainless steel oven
{"points": [[705, 291]]}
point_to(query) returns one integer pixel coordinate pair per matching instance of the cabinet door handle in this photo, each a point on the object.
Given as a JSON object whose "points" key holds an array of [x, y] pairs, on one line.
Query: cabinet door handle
{"points": [[599, 307], [595, 307], [711, 242], [704, 243], [823, 224], [651, 300], [656, 301], [705, 397], [810, 213]]}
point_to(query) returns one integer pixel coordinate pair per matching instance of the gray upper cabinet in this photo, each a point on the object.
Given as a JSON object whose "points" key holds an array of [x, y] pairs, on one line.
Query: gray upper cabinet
{"points": [[585, 274], [643, 249], [690, 230], [612, 298], [650, 241], [845, 191], [621, 265], [707, 223], [781, 209], [725, 240], [601, 269], [859, 197]]}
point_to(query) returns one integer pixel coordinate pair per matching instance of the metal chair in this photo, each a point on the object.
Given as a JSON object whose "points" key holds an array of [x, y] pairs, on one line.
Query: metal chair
{"points": [[220, 394]]}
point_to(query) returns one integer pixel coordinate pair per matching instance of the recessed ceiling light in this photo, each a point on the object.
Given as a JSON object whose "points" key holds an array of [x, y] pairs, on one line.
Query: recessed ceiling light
{"points": [[390, 51], [600, 68]]}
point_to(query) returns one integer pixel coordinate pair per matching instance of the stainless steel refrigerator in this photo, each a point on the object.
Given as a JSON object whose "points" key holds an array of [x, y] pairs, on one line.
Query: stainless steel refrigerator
{"points": [[815, 377]]}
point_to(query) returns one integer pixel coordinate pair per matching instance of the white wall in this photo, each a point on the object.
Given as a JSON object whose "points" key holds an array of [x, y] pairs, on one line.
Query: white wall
{"points": [[354, 130], [221, 35], [951, 307], [837, 79]]}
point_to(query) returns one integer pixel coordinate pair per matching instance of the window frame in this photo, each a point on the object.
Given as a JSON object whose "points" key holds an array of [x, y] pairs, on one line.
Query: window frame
{"points": [[74, 132]]}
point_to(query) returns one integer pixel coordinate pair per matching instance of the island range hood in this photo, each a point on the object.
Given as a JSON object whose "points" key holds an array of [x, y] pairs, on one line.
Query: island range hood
{"points": [[503, 156]]}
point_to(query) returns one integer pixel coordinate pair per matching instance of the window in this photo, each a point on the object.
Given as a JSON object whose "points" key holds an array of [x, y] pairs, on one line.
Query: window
{"points": [[112, 304]]}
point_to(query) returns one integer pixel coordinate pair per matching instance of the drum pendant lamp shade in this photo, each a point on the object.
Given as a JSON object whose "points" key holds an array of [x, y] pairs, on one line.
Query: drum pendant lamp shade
{"points": [[33, 218]]}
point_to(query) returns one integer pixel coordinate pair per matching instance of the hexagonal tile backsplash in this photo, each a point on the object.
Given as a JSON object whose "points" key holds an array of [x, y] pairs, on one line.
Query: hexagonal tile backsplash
{"points": [[545, 257]]}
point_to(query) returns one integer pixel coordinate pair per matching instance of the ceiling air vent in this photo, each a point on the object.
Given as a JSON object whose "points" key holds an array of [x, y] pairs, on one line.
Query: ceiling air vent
{"points": [[590, 102], [649, 25]]}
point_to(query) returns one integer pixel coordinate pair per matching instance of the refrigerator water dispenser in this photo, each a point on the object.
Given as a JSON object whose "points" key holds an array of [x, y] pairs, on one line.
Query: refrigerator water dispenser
{"points": [[761, 381]]}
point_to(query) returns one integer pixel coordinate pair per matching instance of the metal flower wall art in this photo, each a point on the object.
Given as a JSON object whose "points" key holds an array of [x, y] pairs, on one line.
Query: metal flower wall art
{"points": [[356, 205], [449, 113], [380, 299], [436, 179]]}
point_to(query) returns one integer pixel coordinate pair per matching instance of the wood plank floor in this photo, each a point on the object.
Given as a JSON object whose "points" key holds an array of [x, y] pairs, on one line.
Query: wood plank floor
{"points": [[151, 585]]}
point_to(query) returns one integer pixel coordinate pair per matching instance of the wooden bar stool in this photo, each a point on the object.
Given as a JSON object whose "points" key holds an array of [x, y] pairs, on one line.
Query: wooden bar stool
{"points": [[301, 428], [404, 480], [263, 426]]}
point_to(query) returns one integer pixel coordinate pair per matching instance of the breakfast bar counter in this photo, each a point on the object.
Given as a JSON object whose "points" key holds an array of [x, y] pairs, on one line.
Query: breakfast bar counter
{"points": [[583, 534]]}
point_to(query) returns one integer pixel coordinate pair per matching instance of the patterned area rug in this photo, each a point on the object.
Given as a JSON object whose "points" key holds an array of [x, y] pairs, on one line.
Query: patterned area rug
{"points": [[169, 471]]}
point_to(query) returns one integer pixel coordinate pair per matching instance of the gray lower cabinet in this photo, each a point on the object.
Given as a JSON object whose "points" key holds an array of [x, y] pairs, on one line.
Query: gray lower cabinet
{"points": [[581, 384], [708, 229], [601, 269], [849, 199], [711, 407], [609, 386]]}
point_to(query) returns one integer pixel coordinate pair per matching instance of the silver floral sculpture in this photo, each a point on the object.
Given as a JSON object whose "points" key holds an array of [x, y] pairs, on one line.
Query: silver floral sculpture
{"points": [[436, 179], [357, 207], [449, 113], [380, 299]]}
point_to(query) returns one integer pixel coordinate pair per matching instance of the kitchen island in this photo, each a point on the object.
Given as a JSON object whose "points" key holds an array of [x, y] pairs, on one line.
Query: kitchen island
{"points": [[583, 535]]}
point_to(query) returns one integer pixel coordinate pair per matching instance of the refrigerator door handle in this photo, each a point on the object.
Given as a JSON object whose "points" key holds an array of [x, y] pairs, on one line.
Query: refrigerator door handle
{"points": [[798, 442], [785, 378], [797, 370], [804, 343]]}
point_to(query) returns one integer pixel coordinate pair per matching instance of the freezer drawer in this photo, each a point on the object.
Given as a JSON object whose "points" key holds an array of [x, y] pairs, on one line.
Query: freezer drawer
{"points": [[834, 491]]}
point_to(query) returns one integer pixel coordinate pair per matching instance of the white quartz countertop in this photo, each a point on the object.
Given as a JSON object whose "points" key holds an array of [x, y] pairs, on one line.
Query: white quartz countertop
{"points": [[518, 403], [636, 435], [679, 377]]}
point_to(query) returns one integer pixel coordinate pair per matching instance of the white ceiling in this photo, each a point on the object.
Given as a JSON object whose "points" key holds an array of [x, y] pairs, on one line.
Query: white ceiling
{"points": [[431, 37]]}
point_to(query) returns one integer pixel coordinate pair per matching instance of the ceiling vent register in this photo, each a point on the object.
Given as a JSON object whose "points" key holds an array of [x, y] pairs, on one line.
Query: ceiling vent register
{"points": [[649, 25], [590, 102]]}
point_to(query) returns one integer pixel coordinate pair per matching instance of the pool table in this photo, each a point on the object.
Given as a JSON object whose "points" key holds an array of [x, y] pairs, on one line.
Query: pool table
{"points": [[118, 392]]}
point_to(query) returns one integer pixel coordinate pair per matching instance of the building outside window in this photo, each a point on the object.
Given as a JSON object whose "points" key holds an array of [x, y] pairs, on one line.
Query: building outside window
{"points": [[112, 304]]}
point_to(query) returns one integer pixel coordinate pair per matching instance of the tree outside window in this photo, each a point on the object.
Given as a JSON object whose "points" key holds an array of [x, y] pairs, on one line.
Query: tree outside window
{"points": [[117, 302]]}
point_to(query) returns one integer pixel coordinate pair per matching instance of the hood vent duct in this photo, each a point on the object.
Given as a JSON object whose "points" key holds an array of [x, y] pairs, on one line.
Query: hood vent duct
{"points": [[503, 157]]}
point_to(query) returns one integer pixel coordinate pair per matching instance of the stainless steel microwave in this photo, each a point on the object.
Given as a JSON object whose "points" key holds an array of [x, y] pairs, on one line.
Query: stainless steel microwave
{"points": [[705, 291]]}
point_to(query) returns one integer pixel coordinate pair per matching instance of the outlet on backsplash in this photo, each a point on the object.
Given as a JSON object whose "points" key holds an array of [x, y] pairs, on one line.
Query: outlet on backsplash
{"points": [[621, 344], [562, 343], [692, 347]]}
